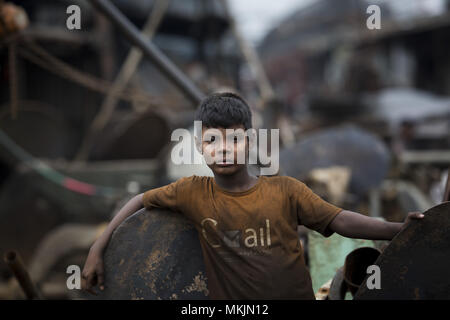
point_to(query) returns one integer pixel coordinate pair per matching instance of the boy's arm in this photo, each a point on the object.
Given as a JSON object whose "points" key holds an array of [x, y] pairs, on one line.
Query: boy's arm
{"points": [[355, 225], [93, 268], [128, 209]]}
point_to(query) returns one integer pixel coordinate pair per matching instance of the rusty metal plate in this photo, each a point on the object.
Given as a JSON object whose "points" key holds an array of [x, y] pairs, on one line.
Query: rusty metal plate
{"points": [[416, 263], [154, 255]]}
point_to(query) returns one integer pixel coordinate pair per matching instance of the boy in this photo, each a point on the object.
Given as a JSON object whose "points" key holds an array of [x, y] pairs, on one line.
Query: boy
{"points": [[247, 225]]}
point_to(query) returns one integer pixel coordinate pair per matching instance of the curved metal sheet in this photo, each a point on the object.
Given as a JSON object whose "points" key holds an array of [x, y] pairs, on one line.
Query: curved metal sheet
{"points": [[154, 255], [416, 263], [362, 152]]}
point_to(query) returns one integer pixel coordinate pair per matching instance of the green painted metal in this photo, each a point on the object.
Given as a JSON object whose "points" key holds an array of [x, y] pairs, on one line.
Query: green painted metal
{"points": [[327, 255]]}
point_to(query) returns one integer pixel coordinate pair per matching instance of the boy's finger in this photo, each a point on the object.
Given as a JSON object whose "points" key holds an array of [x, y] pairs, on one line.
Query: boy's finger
{"points": [[85, 286], [90, 282], [101, 280], [416, 215]]}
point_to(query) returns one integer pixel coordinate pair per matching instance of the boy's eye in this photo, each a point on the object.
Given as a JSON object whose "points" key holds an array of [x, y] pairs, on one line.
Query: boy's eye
{"points": [[212, 139]]}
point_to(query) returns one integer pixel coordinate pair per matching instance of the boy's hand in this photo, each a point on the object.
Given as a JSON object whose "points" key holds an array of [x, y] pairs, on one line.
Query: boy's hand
{"points": [[92, 274], [416, 215]]}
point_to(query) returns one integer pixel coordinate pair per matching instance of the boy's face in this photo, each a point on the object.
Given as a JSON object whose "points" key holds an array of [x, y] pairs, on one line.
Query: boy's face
{"points": [[225, 149]]}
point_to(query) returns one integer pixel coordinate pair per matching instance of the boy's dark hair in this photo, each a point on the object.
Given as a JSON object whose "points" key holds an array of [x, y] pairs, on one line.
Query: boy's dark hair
{"points": [[224, 110]]}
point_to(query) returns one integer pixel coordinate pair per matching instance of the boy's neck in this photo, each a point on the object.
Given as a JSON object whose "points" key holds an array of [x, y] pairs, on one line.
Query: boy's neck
{"points": [[238, 182]]}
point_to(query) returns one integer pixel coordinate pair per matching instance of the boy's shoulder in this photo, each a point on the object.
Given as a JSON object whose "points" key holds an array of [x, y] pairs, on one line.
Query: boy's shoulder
{"points": [[288, 185], [285, 180], [193, 180]]}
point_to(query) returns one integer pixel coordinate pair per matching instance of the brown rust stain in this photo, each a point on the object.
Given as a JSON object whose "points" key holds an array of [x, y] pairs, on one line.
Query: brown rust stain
{"points": [[199, 285], [151, 285], [144, 225], [150, 267], [135, 297], [155, 259]]}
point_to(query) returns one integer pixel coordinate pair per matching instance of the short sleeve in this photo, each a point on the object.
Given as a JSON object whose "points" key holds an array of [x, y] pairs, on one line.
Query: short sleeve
{"points": [[166, 197], [312, 211]]}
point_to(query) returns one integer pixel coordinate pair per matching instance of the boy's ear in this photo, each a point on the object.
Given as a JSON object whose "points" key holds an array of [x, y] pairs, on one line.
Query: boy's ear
{"points": [[198, 144]]}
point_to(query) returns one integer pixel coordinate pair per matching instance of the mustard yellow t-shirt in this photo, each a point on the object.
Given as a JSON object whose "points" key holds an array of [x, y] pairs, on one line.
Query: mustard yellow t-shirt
{"points": [[249, 239]]}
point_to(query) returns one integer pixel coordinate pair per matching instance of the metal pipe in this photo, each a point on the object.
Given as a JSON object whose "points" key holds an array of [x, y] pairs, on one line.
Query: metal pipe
{"points": [[125, 74], [252, 58], [356, 264], [14, 261], [165, 65]]}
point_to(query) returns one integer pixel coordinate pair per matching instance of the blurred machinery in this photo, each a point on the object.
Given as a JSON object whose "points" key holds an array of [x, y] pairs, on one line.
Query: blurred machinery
{"points": [[85, 117]]}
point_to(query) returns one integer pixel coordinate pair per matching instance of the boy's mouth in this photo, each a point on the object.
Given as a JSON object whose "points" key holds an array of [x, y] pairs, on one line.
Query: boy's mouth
{"points": [[224, 164]]}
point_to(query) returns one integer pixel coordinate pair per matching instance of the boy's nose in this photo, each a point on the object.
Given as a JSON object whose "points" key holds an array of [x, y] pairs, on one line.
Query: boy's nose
{"points": [[226, 148]]}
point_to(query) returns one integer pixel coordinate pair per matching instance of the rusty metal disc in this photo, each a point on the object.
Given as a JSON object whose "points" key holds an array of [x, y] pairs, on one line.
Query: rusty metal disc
{"points": [[154, 254], [362, 152], [416, 263]]}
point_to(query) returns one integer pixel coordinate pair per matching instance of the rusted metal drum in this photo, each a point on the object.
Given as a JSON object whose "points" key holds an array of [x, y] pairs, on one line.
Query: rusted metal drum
{"points": [[349, 146], [356, 264], [416, 263], [154, 254]]}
